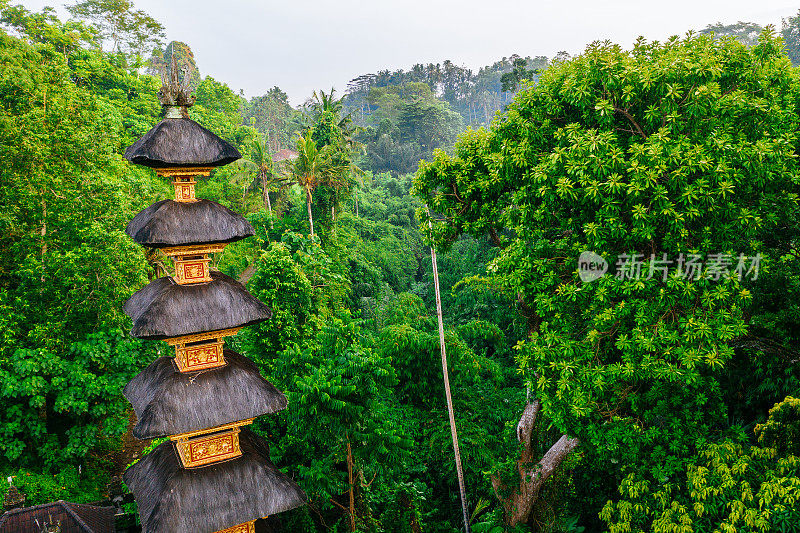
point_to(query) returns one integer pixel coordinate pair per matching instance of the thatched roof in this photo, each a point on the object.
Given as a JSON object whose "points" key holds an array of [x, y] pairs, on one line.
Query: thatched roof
{"points": [[211, 498], [13, 497], [74, 518], [163, 308], [180, 142], [171, 223], [169, 402]]}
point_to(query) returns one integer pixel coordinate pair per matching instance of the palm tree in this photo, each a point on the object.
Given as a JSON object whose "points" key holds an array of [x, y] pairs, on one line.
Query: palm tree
{"points": [[261, 162], [322, 102], [314, 167]]}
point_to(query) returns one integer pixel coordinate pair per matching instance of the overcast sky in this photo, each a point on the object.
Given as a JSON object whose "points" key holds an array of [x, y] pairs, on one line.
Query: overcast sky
{"points": [[302, 45]]}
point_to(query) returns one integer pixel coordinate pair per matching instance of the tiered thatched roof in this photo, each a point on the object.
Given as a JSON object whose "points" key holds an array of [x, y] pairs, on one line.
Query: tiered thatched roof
{"points": [[171, 223], [163, 308], [181, 142], [73, 517], [168, 402], [210, 498]]}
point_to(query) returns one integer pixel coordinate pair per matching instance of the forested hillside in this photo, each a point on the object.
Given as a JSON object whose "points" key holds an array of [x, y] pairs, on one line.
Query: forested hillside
{"points": [[633, 402]]}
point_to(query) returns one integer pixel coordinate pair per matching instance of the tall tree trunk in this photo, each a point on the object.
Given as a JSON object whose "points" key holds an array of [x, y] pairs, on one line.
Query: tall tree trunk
{"points": [[43, 233], [356, 197], [448, 396], [265, 193], [518, 501], [308, 205]]}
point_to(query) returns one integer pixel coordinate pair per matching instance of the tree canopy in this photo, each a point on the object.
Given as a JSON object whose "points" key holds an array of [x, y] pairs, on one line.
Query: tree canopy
{"points": [[617, 252], [646, 158]]}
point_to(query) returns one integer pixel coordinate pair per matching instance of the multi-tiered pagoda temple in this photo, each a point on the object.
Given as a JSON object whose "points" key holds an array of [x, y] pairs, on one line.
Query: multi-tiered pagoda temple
{"points": [[213, 474]]}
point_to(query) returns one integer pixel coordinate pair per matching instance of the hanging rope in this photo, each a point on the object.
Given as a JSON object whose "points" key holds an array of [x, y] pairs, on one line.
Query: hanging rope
{"points": [[461, 488]]}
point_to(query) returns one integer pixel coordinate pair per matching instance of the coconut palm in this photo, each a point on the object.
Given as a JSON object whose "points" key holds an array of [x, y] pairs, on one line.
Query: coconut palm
{"points": [[261, 163], [314, 167], [322, 102]]}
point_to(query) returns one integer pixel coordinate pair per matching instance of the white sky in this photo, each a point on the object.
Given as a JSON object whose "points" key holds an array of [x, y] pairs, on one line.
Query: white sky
{"points": [[303, 45]]}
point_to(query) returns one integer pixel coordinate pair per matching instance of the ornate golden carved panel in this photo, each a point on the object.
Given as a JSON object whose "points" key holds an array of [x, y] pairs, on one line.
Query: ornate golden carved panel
{"points": [[184, 192], [183, 180], [201, 448], [249, 527], [199, 357], [204, 450], [194, 270]]}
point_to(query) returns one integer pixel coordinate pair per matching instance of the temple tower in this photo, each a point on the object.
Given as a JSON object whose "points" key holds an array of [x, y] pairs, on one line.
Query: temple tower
{"points": [[213, 474]]}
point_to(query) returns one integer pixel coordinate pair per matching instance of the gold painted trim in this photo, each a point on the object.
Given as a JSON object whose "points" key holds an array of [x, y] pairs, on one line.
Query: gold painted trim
{"points": [[198, 337], [249, 527], [195, 249], [184, 171], [216, 429]]}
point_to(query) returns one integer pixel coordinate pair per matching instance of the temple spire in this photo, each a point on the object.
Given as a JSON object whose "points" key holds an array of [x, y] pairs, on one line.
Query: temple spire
{"points": [[213, 474]]}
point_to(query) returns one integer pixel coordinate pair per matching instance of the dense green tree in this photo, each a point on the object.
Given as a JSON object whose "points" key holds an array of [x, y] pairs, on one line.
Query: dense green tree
{"points": [[511, 80], [728, 487], [273, 116], [408, 123], [56, 275], [475, 96], [260, 162], [280, 282], [315, 167], [67, 267], [431, 124], [781, 431], [340, 413], [790, 29], [622, 153], [128, 30], [57, 405], [745, 32], [45, 27]]}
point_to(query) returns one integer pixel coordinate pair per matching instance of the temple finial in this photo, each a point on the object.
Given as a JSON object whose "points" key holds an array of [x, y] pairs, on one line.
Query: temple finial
{"points": [[175, 94]]}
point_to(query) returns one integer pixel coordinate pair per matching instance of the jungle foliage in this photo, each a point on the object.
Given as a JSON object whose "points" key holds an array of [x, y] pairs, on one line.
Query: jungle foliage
{"points": [[657, 153], [657, 403]]}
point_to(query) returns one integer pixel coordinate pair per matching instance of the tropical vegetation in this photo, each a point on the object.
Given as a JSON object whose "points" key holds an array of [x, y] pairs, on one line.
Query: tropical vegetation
{"points": [[659, 394]]}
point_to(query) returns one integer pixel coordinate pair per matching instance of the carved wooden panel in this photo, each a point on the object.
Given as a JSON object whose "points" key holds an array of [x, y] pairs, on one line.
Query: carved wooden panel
{"points": [[207, 449], [184, 192], [172, 172], [193, 270], [200, 356]]}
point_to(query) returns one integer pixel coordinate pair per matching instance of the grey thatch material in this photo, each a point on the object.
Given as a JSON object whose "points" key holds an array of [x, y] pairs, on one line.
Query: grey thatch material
{"points": [[164, 308], [180, 142], [168, 402], [215, 497], [171, 223], [74, 518]]}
